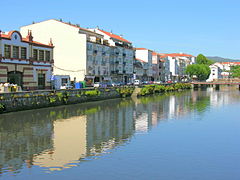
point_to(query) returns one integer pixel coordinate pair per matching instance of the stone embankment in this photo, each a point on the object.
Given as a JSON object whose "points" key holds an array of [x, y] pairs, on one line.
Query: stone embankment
{"points": [[10, 102]]}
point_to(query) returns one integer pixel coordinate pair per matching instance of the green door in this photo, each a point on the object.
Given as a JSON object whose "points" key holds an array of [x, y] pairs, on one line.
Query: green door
{"points": [[41, 81]]}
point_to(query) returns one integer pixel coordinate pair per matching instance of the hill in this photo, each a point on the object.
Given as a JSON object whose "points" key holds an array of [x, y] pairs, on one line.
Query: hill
{"points": [[220, 59]]}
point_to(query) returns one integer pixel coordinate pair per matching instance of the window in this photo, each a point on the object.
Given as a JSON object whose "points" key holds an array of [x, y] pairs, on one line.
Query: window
{"points": [[41, 81], [41, 55], [23, 53], [15, 52], [64, 81], [47, 55], [35, 54], [7, 51]]}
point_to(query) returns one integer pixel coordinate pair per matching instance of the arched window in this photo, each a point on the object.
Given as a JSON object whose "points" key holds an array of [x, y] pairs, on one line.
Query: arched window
{"points": [[15, 77]]}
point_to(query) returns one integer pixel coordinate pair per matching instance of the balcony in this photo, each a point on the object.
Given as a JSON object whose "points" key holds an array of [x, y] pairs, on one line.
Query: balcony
{"points": [[116, 53], [124, 63], [95, 52], [104, 53], [116, 62], [105, 42], [124, 55]]}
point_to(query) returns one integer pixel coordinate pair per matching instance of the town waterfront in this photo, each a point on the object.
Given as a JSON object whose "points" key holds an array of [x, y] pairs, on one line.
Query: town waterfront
{"points": [[179, 135]]}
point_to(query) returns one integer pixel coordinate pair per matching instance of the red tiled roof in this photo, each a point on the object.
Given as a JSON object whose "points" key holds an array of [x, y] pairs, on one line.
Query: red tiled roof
{"points": [[237, 63], [114, 36], [176, 55], [140, 60], [141, 49], [8, 36]]}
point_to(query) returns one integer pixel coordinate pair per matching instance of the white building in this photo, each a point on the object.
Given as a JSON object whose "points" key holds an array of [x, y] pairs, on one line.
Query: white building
{"points": [[220, 70], [24, 61], [145, 55], [79, 52], [122, 56], [175, 65]]}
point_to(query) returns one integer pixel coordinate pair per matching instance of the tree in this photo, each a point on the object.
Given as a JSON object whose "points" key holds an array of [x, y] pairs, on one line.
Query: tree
{"points": [[235, 71], [201, 59], [201, 71]]}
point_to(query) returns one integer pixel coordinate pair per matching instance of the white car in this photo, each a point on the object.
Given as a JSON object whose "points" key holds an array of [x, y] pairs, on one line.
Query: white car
{"points": [[96, 84], [137, 82]]}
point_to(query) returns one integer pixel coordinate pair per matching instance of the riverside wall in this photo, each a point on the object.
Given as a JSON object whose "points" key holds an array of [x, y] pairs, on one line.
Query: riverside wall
{"points": [[18, 101]]}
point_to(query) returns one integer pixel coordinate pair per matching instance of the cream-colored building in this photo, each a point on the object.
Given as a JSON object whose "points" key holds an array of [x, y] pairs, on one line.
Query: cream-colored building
{"points": [[24, 61], [79, 52]]}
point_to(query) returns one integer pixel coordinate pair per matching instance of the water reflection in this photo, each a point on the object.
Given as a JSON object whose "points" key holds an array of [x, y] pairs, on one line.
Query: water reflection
{"points": [[62, 137]]}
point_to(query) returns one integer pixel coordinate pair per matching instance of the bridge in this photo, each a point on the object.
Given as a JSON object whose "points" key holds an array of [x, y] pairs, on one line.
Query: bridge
{"points": [[216, 84]]}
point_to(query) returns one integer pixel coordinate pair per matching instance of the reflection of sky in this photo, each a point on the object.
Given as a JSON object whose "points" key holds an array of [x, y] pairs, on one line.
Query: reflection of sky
{"points": [[62, 137]]}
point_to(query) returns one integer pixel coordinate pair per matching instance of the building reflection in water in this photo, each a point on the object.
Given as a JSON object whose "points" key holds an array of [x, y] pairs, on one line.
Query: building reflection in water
{"points": [[61, 137]]}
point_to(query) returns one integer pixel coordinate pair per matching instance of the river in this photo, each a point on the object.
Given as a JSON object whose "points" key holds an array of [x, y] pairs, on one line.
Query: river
{"points": [[190, 135]]}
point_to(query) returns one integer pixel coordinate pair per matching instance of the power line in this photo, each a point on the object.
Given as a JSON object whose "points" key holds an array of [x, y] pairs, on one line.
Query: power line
{"points": [[68, 70]]}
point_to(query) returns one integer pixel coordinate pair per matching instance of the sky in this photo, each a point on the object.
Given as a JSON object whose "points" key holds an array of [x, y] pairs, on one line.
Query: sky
{"points": [[210, 27]]}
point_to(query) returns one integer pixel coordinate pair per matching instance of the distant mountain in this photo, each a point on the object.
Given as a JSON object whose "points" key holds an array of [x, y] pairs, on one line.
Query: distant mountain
{"points": [[220, 59]]}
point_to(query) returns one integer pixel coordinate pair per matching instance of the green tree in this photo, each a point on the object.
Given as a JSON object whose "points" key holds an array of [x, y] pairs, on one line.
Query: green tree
{"points": [[235, 71], [201, 59], [201, 71]]}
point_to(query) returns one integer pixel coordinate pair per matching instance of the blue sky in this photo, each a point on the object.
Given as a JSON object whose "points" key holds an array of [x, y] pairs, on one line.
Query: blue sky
{"points": [[210, 27]]}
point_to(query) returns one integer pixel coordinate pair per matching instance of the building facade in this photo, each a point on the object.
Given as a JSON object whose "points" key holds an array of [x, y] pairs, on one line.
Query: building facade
{"points": [[121, 56], [175, 66], [25, 62], [145, 55], [220, 70], [79, 52]]}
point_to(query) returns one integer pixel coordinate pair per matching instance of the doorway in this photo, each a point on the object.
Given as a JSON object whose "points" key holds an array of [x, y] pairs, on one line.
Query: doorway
{"points": [[15, 77], [41, 81]]}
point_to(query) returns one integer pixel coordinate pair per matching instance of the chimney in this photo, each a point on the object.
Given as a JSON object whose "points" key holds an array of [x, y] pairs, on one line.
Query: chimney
{"points": [[29, 36], [50, 43]]}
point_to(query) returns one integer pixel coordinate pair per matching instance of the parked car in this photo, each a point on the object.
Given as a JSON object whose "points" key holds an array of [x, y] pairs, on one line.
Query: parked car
{"points": [[137, 82], [66, 86], [96, 84], [117, 83], [158, 82], [169, 81]]}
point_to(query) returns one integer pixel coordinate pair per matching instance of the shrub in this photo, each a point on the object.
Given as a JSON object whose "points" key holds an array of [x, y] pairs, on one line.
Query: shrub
{"points": [[93, 93]]}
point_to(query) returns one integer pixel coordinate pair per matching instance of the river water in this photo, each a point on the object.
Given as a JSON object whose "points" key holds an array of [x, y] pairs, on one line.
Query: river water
{"points": [[192, 135]]}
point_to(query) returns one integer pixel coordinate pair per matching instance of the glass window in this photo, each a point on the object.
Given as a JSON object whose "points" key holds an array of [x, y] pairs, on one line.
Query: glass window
{"points": [[64, 81], [23, 53], [41, 55], [47, 55], [7, 51], [15, 52], [35, 54]]}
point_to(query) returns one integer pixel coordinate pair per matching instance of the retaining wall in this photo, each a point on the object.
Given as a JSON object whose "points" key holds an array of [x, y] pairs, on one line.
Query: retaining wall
{"points": [[38, 99]]}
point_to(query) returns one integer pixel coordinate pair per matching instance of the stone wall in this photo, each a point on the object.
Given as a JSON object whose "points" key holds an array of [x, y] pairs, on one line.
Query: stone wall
{"points": [[38, 99]]}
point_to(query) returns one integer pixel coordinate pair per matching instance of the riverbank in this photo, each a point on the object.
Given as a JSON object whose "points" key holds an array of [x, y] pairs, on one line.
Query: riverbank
{"points": [[155, 89], [11, 102]]}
